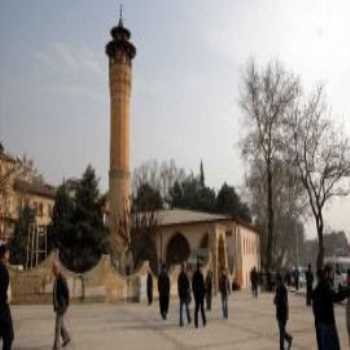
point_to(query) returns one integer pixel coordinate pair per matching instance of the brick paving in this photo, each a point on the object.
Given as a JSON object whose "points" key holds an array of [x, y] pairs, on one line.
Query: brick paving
{"points": [[251, 325]]}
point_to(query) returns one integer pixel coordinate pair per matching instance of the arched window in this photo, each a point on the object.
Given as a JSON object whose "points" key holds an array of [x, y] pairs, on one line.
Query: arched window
{"points": [[178, 250]]}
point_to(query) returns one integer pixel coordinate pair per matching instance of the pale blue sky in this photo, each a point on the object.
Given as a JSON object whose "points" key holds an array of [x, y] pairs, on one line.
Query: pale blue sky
{"points": [[54, 102]]}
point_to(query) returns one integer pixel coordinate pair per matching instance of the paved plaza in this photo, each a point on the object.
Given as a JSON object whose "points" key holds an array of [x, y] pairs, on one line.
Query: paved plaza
{"points": [[251, 325]]}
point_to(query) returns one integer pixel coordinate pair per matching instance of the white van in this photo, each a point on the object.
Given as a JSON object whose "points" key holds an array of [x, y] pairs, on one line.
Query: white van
{"points": [[340, 266]]}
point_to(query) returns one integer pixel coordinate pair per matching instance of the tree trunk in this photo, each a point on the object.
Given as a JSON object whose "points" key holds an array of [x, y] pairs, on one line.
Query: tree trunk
{"points": [[270, 218], [320, 256]]}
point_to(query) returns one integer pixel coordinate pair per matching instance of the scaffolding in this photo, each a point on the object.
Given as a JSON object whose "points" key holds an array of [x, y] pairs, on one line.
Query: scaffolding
{"points": [[36, 245]]}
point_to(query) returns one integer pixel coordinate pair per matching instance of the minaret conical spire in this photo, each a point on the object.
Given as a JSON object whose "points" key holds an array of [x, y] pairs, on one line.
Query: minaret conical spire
{"points": [[120, 23]]}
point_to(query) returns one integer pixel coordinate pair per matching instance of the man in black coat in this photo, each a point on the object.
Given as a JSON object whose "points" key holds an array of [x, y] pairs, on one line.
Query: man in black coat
{"points": [[184, 292], [296, 278], [309, 283], [164, 292], [60, 299], [324, 298], [199, 294], [281, 302], [254, 281], [6, 326], [224, 285], [149, 288]]}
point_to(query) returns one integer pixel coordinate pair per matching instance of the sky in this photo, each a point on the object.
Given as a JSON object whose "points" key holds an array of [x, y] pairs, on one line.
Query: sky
{"points": [[54, 98]]}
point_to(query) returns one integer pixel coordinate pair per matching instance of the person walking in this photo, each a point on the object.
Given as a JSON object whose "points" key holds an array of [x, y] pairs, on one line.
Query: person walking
{"points": [[199, 294], [324, 298], [281, 302], [149, 288], [254, 281], [164, 292], [309, 284], [209, 289], [224, 290], [60, 298], [296, 278], [184, 292], [6, 325], [348, 306]]}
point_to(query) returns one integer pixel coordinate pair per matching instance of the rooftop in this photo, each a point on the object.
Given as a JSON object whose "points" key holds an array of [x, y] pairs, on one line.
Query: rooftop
{"points": [[175, 216], [40, 189]]}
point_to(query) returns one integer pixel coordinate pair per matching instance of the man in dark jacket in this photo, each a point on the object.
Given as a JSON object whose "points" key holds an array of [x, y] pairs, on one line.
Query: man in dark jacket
{"points": [[296, 278], [254, 281], [208, 289], [60, 306], [199, 294], [323, 299], [281, 302], [184, 292], [309, 283], [6, 326], [149, 288], [224, 290], [164, 292]]}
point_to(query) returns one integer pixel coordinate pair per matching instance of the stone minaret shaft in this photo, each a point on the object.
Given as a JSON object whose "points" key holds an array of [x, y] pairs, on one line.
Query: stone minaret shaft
{"points": [[120, 52]]}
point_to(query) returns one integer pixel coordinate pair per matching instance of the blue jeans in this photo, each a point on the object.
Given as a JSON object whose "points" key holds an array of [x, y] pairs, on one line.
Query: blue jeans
{"points": [[185, 304], [224, 305], [329, 339]]}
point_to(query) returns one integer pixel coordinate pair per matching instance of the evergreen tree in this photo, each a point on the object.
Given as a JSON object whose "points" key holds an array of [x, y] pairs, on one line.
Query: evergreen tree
{"points": [[90, 234], [19, 241], [77, 227], [147, 198], [190, 194], [60, 233], [228, 202]]}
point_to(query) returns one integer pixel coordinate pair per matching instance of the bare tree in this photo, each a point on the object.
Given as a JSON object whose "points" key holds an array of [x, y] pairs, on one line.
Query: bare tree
{"points": [[266, 96], [322, 155], [159, 177], [136, 231], [288, 206]]}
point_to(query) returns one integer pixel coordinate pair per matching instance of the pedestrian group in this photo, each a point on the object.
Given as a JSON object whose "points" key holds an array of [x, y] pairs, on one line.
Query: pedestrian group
{"points": [[321, 298]]}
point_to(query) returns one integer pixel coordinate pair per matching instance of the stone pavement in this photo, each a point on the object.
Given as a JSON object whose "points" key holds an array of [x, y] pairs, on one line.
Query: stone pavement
{"points": [[251, 326]]}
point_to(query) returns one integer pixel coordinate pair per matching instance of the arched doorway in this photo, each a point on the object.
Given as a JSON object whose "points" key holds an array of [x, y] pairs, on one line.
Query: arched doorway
{"points": [[178, 250], [204, 248]]}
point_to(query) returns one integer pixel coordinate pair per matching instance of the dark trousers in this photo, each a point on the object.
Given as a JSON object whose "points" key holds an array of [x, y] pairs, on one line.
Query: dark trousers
{"points": [[308, 295], [6, 328], [318, 338], [184, 304], [164, 305], [224, 306], [208, 300], [328, 337], [255, 290], [199, 304], [60, 331], [149, 297], [284, 336]]}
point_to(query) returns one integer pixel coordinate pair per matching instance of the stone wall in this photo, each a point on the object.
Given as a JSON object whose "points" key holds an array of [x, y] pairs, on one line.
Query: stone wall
{"points": [[101, 284]]}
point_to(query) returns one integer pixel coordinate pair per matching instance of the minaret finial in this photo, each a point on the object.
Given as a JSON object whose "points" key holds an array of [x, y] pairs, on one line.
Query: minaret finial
{"points": [[121, 15]]}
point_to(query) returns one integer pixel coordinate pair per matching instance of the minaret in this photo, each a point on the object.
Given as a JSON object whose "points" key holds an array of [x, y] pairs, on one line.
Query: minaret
{"points": [[120, 52]]}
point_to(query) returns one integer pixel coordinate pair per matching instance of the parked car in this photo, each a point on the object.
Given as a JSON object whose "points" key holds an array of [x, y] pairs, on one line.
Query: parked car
{"points": [[340, 266]]}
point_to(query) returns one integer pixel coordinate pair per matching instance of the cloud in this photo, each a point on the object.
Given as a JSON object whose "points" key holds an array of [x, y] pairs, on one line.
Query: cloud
{"points": [[71, 70]]}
